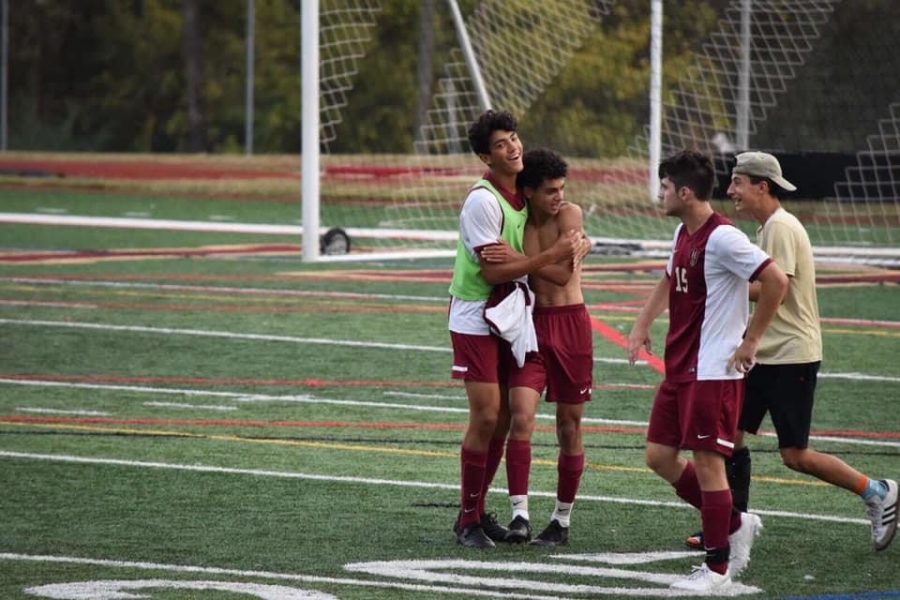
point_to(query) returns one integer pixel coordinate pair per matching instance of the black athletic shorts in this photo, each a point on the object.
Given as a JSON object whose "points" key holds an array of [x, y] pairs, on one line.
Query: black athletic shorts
{"points": [[786, 393]]}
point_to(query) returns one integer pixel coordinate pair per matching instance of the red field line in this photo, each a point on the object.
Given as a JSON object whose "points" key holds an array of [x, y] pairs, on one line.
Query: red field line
{"points": [[156, 278], [656, 265], [137, 170], [261, 424], [616, 337], [440, 277], [237, 381], [256, 424], [92, 255], [317, 306], [859, 278], [370, 172], [153, 170]]}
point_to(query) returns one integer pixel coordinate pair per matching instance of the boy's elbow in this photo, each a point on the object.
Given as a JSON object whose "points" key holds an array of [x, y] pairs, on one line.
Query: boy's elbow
{"points": [[778, 282], [492, 274], [492, 279]]}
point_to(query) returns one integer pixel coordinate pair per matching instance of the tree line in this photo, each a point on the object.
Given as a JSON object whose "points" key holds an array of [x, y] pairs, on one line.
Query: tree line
{"points": [[169, 75]]}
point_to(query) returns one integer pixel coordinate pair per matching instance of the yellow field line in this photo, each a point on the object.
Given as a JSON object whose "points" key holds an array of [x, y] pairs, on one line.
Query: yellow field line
{"points": [[362, 448], [875, 332]]}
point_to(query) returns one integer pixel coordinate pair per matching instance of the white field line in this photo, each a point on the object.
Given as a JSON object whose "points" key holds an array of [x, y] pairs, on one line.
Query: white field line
{"points": [[860, 377], [306, 399], [324, 341], [54, 411], [655, 247], [217, 227], [428, 589], [68, 458], [183, 405], [225, 334]]}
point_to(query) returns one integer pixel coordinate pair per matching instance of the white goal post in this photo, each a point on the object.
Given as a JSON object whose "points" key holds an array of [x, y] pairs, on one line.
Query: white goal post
{"points": [[748, 82]]}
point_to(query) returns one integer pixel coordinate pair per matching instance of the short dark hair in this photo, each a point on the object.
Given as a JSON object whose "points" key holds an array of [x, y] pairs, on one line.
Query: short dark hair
{"points": [[690, 169], [775, 190], [489, 122], [540, 165]]}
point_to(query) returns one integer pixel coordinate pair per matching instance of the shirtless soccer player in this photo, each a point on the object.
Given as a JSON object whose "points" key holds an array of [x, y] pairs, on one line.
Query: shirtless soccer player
{"points": [[564, 363], [493, 212]]}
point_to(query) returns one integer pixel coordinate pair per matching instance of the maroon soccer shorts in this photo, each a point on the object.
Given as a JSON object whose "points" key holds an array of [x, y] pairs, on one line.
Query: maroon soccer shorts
{"points": [[564, 365], [481, 358], [697, 415]]}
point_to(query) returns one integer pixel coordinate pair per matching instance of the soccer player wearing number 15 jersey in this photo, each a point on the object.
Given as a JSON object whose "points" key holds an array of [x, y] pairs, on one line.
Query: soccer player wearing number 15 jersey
{"points": [[709, 348]]}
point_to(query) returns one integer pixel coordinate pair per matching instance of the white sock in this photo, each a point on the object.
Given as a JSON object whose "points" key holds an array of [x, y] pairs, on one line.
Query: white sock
{"points": [[519, 507], [562, 512]]}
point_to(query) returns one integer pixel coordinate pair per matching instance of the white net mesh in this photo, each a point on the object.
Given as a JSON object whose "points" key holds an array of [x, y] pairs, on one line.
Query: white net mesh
{"points": [[867, 199], [345, 32], [804, 97]]}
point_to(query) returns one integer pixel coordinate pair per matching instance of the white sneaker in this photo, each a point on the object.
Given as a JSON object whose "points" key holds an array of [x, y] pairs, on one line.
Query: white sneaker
{"points": [[741, 541], [883, 514], [703, 580]]}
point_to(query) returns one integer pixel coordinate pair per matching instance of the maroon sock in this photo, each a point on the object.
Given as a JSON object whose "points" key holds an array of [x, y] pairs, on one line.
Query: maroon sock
{"points": [[494, 456], [518, 466], [472, 476], [569, 469], [716, 516], [688, 487]]}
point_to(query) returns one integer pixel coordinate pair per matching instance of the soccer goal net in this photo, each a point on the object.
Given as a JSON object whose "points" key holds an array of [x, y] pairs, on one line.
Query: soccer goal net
{"points": [[812, 81]]}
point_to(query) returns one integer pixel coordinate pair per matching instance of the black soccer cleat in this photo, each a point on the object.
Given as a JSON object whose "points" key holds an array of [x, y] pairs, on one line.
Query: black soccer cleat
{"points": [[554, 535], [519, 531], [494, 530], [473, 536]]}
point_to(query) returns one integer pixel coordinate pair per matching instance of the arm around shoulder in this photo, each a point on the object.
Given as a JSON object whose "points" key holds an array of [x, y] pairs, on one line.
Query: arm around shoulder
{"points": [[568, 219]]}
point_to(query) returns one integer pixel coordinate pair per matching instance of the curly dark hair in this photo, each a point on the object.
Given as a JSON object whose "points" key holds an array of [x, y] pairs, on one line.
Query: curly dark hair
{"points": [[691, 169], [489, 122], [540, 165]]}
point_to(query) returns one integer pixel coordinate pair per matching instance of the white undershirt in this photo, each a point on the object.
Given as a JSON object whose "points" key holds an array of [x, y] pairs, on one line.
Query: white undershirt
{"points": [[480, 224]]}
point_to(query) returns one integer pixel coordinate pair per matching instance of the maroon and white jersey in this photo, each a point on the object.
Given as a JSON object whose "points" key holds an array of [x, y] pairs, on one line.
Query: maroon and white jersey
{"points": [[709, 277]]}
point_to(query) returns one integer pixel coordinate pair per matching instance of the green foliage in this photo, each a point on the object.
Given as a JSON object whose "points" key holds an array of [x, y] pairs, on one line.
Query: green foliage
{"points": [[110, 75]]}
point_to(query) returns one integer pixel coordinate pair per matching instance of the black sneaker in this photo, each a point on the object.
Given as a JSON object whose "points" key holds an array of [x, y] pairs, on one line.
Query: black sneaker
{"points": [[519, 531], [494, 530], [695, 542], [554, 535], [473, 536]]}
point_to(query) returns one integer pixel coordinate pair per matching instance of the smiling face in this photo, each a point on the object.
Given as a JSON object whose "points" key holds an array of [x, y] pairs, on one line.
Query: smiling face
{"points": [[505, 158], [744, 193], [548, 196]]}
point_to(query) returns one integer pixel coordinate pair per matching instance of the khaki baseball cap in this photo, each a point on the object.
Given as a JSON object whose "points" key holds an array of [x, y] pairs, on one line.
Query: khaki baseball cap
{"points": [[762, 164]]}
